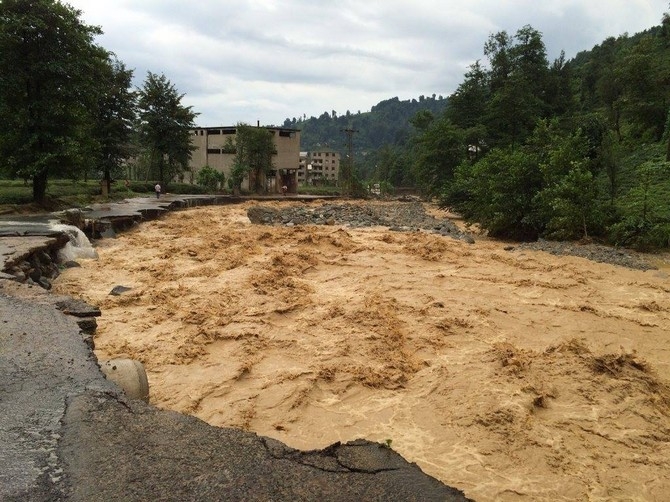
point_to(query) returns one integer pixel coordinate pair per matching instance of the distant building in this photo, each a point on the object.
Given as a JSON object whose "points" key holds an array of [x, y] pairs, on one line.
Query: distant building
{"points": [[215, 147], [320, 167]]}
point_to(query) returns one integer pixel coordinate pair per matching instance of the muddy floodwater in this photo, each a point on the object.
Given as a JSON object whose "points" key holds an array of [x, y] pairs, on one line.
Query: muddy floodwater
{"points": [[509, 374]]}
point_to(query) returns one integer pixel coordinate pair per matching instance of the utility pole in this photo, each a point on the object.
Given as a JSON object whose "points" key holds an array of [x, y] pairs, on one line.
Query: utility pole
{"points": [[350, 171]]}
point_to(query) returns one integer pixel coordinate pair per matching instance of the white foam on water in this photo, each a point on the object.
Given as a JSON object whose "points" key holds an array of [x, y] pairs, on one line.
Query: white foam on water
{"points": [[79, 246]]}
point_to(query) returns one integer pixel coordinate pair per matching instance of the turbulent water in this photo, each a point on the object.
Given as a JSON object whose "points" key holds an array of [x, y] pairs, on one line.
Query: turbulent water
{"points": [[506, 372], [79, 246]]}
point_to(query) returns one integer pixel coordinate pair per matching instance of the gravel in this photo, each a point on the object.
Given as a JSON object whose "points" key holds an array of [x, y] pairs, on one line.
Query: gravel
{"points": [[397, 216], [411, 216], [594, 252]]}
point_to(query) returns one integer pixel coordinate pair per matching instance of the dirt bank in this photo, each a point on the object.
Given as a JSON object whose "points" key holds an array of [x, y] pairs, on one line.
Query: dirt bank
{"points": [[504, 373]]}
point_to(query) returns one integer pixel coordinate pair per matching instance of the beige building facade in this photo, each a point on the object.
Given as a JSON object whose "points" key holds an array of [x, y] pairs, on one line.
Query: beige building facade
{"points": [[319, 167], [215, 147]]}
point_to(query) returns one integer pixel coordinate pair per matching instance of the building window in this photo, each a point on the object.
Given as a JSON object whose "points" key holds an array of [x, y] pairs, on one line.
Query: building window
{"points": [[210, 132], [214, 150]]}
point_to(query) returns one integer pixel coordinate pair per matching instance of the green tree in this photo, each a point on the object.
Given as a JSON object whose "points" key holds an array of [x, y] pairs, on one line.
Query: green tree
{"points": [[468, 107], [518, 82], [114, 120], [498, 192], [644, 73], [570, 205], [49, 66], [645, 221], [210, 178], [438, 150], [560, 97], [254, 151], [164, 126], [237, 173]]}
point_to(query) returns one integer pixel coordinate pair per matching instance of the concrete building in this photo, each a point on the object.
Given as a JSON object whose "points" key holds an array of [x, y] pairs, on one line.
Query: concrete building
{"points": [[320, 167], [215, 147]]}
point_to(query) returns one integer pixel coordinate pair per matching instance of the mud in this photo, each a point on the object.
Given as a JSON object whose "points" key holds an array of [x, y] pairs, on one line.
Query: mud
{"points": [[504, 373]]}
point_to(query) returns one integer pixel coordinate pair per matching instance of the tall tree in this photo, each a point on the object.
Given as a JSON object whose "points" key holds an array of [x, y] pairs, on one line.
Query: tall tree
{"points": [[115, 117], [645, 79], [254, 151], [49, 64], [467, 106], [164, 126], [498, 192], [518, 82], [439, 149]]}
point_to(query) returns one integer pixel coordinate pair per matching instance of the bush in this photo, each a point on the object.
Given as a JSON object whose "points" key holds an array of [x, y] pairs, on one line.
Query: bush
{"points": [[210, 179]]}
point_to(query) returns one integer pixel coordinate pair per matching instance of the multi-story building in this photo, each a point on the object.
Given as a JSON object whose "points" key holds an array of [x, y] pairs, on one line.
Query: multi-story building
{"points": [[215, 147], [319, 167]]}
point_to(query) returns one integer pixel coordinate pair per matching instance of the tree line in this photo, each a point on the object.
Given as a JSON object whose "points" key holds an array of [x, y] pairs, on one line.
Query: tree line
{"points": [[68, 108], [528, 148]]}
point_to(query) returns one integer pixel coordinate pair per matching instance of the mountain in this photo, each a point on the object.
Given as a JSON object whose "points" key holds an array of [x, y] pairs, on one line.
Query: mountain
{"points": [[386, 123]]}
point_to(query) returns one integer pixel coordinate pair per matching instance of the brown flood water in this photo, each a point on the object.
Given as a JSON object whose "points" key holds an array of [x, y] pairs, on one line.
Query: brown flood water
{"points": [[508, 375]]}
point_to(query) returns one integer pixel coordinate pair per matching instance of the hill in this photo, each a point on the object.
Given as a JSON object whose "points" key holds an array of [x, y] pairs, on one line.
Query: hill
{"points": [[386, 123]]}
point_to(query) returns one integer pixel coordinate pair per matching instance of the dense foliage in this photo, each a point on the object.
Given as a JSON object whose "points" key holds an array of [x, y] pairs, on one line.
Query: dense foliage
{"points": [[551, 147], [254, 148], [50, 68], [165, 128], [67, 107], [210, 179], [530, 148]]}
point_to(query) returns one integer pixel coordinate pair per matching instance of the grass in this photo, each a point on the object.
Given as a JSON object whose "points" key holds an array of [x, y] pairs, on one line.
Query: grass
{"points": [[16, 196]]}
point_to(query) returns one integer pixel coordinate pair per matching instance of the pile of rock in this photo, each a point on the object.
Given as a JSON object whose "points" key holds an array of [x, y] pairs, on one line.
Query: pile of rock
{"points": [[397, 216], [38, 267], [594, 252]]}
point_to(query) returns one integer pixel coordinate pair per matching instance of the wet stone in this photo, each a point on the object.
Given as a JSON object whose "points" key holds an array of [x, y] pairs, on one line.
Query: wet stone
{"points": [[119, 290], [77, 308]]}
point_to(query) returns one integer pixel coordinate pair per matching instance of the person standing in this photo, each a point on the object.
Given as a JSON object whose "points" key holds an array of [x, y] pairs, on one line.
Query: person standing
{"points": [[158, 190]]}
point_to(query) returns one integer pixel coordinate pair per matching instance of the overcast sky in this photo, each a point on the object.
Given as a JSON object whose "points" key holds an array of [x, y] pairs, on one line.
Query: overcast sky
{"points": [[268, 60]]}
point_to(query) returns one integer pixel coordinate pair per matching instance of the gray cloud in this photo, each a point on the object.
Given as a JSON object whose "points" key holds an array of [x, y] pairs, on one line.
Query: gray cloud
{"points": [[267, 60]]}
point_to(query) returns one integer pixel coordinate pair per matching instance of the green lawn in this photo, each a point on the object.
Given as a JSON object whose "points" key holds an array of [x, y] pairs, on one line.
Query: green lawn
{"points": [[16, 195]]}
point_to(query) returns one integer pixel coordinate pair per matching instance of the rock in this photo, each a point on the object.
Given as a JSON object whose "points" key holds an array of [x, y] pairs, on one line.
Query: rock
{"points": [[35, 274], [45, 283], [594, 252], [262, 215], [77, 308], [88, 325], [399, 217], [118, 290]]}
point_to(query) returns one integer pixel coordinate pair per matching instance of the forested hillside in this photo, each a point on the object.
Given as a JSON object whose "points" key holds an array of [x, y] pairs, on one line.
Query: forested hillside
{"points": [[566, 150], [529, 148], [386, 123]]}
